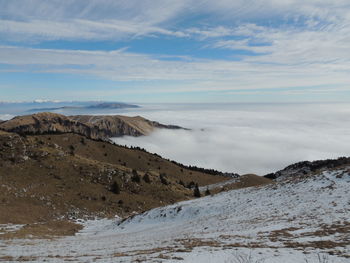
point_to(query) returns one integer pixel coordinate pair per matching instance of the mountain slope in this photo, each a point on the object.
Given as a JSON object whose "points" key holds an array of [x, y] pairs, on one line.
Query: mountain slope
{"points": [[45, 177], [302, 169], [304, 220]]}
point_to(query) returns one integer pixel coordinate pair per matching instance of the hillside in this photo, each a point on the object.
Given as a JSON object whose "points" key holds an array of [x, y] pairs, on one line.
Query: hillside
{"points": [[67, 176], [304, 220], [95, 127], [302, 169]]}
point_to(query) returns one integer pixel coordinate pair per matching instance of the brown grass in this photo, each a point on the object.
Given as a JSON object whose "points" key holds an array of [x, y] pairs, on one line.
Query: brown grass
{"points": [[54, 181], [44, 230], [244, 181]]}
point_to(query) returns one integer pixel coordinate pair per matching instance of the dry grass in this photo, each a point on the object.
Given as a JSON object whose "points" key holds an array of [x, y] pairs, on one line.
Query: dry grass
{"points": [[43, 179], [45, 230], [247, 180]]}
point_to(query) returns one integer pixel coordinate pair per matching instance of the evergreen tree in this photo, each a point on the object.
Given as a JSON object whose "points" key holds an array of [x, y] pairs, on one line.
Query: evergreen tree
{"points": [[115, 188], [196, 192]]}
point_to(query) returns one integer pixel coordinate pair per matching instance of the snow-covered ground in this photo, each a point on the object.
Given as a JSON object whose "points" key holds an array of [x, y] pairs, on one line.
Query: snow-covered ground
{"points": [[218, 185], [306, 220]]}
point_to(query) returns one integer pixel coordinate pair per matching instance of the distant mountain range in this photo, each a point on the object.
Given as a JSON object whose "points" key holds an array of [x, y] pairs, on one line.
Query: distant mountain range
{"points": [[105, 105]]}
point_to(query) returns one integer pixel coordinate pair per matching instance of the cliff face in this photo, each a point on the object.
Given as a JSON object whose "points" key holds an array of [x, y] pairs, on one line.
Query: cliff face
{"points": [[94, 127], [114, 126]]}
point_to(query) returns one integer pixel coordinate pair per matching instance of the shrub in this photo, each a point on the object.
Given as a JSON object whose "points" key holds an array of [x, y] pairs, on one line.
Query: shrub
{"points": [[71, 149], [163, 180], [135, 176], [182, 183], [82, 141], [146, 178], [191, 184], [207, 192]]}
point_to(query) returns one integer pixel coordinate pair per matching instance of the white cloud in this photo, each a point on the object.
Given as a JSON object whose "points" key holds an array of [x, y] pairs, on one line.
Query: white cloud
{"points": [[79, 29], [185, 75], [309, 46], [254, 138], [38, 20], [110, 19]]}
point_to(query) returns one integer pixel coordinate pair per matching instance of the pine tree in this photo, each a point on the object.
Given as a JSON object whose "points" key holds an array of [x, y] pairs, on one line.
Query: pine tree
{"points": [[115, 188], [196, 192]]}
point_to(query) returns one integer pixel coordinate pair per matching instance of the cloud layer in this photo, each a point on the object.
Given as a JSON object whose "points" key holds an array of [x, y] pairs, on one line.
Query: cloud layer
{"points": [[255, 138], [267, 44]]}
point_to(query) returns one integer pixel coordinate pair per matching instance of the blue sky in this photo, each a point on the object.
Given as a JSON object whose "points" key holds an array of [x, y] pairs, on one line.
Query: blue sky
{"points": [[175, 51]]}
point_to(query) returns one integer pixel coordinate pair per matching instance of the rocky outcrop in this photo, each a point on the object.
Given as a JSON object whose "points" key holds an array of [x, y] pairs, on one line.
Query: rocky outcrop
{"points": [[118, 125], [306, 168], [94, 127], [12, 147]]}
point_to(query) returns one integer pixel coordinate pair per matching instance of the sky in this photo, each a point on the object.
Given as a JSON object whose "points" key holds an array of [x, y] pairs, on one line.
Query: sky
{"points": [[175, 51]]}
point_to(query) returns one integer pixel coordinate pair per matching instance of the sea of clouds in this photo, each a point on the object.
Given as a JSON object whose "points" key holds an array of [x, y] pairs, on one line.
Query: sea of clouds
{"points": [[242, 138], [247, 138]]}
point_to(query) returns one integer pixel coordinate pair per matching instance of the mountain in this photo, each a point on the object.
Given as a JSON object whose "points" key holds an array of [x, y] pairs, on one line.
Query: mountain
{"points": [[45, 178], [108, 105], [118, 125], [304, 220], [95, 127], [105, 105], [305, 168], [65, 196]]}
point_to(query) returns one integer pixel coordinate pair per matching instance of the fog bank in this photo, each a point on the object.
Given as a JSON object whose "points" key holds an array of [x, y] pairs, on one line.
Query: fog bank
{"points": [[247, 138]]}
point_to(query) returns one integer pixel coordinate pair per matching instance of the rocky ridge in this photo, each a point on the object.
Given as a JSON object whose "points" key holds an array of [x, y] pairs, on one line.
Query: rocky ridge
{"points": [[306, 168], [94, 127]]}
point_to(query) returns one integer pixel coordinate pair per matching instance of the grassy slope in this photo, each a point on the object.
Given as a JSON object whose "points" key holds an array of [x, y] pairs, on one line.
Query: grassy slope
{"points": [[58, 182]]}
